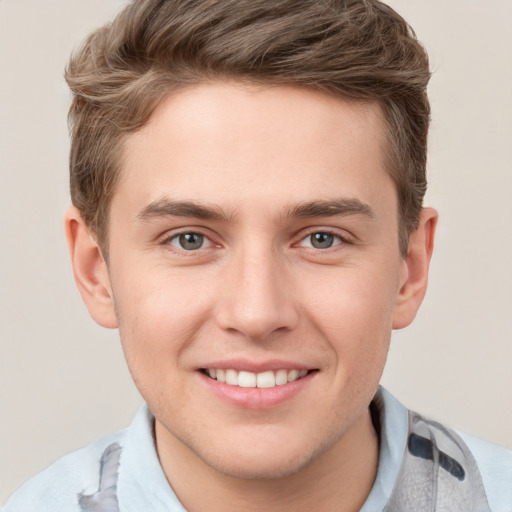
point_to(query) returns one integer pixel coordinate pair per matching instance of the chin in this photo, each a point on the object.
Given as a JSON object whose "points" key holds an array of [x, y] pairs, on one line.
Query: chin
{"points": [[260, 468], [265, 463]]}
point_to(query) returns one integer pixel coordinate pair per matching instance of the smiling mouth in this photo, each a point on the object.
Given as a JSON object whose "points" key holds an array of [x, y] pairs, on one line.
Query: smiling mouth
{"points": [[244, 379]]}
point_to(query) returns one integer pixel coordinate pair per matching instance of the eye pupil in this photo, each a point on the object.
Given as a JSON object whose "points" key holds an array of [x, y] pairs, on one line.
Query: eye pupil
{"points": [[191, 241], [322, 240]]}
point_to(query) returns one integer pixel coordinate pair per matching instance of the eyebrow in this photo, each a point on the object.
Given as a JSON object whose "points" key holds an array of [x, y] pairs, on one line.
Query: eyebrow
{"points": [[328, 208], [170, 208]]}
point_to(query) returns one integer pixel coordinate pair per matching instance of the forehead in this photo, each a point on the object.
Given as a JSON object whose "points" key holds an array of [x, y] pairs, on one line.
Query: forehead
{"points": [[235, 144]]}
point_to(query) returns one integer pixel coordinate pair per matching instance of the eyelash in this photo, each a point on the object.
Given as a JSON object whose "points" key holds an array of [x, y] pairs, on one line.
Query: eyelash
{"points": [[167, 241], [338, 239], [181, 250]]}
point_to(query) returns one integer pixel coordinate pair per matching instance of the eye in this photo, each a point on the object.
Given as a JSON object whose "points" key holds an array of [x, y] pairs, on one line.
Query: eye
{"points": [[321, 240], [189, 241]]}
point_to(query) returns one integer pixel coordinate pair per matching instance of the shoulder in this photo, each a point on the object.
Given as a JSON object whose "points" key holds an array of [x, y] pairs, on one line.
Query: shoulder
{"points": [[70, 479], [448, 470], [470, 474], [495, 465]]}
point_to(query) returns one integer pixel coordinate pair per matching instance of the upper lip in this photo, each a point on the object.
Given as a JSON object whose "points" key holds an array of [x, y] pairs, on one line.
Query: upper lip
{"points": [[255, 366]]}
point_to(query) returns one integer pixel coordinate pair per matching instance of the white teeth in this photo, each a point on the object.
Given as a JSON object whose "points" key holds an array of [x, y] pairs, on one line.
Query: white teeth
{"points": [[246, 379], [281, 377], [268, 379], [265, 380], [232, 377], [293, 375]]}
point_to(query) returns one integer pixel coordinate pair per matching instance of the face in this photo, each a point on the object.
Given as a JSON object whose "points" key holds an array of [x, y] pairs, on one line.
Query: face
{"points": [[255, 271]]}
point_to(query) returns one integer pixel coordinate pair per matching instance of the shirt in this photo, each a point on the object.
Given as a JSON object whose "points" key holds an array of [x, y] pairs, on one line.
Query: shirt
{"points": [[423, 466]]}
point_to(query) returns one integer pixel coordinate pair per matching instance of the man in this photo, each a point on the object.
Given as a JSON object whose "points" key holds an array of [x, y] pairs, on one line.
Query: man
{"points": [[247, 181]]}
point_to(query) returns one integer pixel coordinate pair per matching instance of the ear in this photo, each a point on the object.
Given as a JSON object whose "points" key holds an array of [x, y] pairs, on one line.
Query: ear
{"points": [[416, 264], [90, 270]]}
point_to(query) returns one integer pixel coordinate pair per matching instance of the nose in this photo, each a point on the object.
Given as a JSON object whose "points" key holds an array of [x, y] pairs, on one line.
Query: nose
{"points": [[256, 298]]}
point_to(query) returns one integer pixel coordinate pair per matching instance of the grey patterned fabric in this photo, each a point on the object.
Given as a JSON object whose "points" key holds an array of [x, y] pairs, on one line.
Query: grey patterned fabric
{"points": [[105, 499], [438, 472]]}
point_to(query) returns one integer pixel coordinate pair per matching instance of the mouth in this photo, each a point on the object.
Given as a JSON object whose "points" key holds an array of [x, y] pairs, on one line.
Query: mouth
{"points": [[246, 379]]}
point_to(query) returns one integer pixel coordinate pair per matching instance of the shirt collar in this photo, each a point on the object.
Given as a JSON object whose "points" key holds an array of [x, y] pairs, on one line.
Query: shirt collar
{"points": [[393, 419], [142, 482]]}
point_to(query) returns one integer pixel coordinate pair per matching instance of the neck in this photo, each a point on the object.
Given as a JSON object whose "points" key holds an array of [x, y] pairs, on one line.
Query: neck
{"points": [[339, 479]]}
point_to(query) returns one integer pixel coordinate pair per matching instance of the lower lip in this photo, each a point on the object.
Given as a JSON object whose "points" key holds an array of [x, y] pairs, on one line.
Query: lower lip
{"points": [[256, 398]]}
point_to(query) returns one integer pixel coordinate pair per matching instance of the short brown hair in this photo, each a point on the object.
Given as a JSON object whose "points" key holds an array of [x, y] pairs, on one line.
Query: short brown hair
{"points": [[355, 49]]}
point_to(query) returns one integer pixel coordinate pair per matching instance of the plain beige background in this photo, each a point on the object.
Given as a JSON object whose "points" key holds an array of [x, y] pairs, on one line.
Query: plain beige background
{"points": [[63, 381]]}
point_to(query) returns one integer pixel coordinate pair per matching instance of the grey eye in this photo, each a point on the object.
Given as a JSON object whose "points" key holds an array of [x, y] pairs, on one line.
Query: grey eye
{"points": [[190, 241], [321, 240]]}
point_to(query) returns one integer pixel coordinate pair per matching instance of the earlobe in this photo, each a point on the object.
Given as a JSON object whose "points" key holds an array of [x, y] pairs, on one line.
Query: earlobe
{"points": [[90, 270], [416, 265]]}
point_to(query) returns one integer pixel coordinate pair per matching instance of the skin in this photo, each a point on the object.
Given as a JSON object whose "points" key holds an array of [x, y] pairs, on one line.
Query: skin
{"points": [[257, 290]]}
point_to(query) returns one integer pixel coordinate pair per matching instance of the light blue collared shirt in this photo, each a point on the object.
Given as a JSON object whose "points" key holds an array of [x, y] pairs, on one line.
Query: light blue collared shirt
{"points": [[123, 470]]}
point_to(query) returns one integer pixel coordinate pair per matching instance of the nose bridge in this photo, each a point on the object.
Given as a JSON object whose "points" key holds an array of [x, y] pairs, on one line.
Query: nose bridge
{"points": [[255, 300]]}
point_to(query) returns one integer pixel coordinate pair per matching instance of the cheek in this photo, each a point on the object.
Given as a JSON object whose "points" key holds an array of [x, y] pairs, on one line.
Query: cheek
{"points": [[158, 319], [361, 298], [156, 325], [354, 312]]}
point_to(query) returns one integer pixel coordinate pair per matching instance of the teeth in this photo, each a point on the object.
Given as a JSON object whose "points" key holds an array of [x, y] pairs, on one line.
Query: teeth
{"points": [[232, 377], [293, 375], [265, 380], [268, 379], [246, 379], [281, 377]]}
